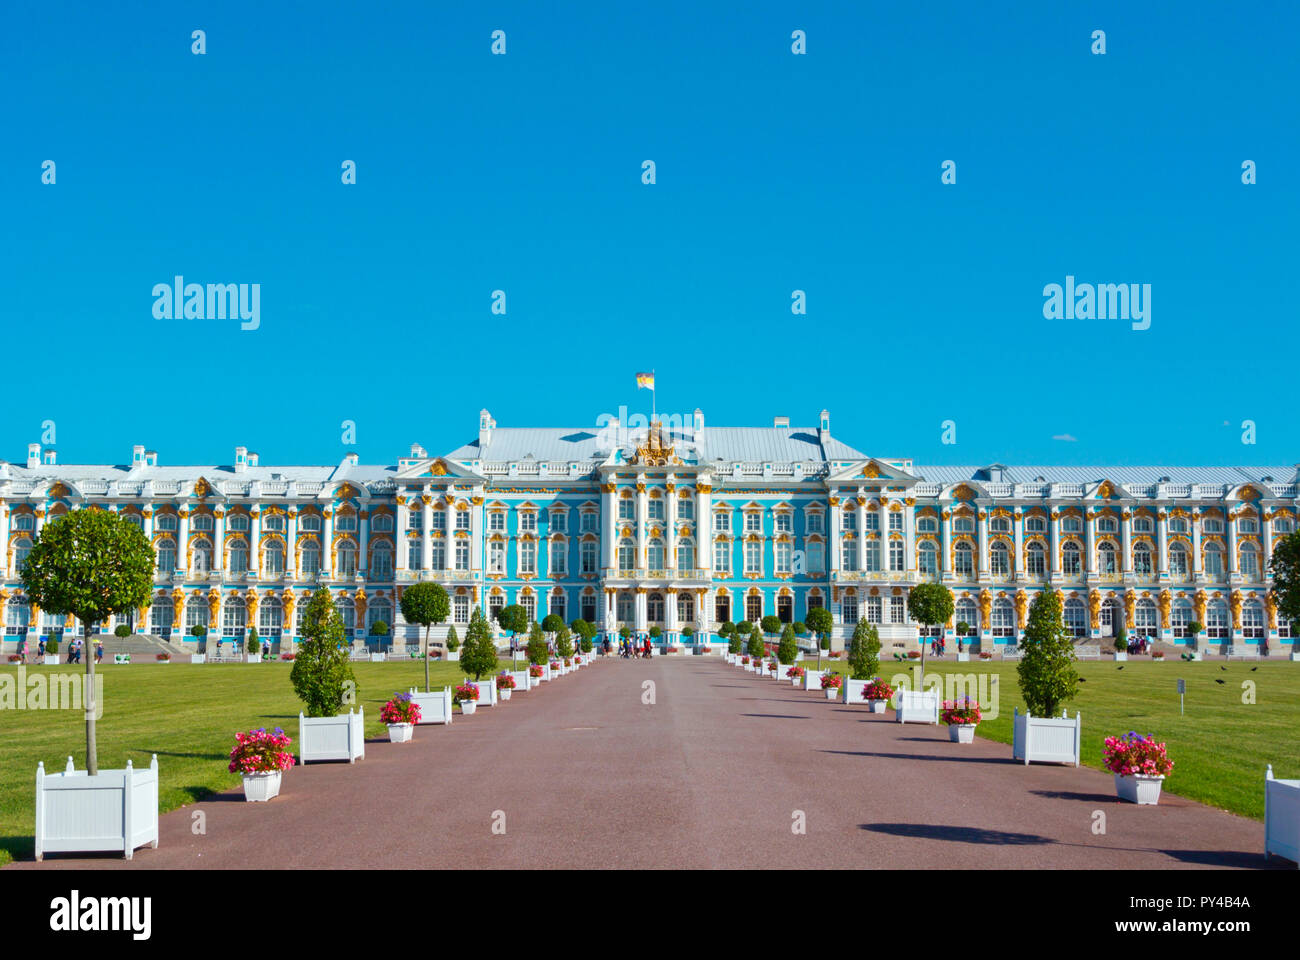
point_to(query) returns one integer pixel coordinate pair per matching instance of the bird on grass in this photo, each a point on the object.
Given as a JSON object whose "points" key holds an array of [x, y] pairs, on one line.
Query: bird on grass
{"points": [[1253, 669], [1218, 681], [1119, 668], [1083, 679], [1222, 667]]}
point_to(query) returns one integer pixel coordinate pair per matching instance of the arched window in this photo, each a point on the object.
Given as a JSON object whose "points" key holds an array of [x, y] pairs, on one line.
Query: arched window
{"points": [[202, 556], [345, 522], [1071, 524], [160, 617], [753, 608], [1212, 525], [968, 613], [1036, 559], [201, 522], [1177, 560], [626, 608], [238, 556], [1106, 523], [1105, 558], [927, 525], [1180, 615], [1076, 617], [963, 525], [1071, 565], [927, 558], [1035, 524], [1000, 525], [273, 523], [310, 523], [1216, 620], [1248, 560], [382, 610], [196, 613], [722, 608], [310, 558], [18, 614], [347, 559], [1144, 618], [165, 522], [237, 523], [1142, 560], [273, 558], [1214, 561], [26, 522], [626, 557], [999, 560], [234, 618], [1142, 524], [686, 555], [1004, 618], [165, 552], [685, 608], [270, 617], [382, 523], [381, 562], [963, 560], [655, 608], [656, 553], [1177, 525], [1252, 619]]}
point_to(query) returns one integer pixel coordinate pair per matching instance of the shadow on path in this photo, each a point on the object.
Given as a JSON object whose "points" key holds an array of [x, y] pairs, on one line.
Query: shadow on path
{"points": [[776, 716], [921, 756]]}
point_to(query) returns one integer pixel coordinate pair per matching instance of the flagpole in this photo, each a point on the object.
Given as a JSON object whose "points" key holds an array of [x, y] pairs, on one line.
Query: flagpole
{"points": [[654, 408]]}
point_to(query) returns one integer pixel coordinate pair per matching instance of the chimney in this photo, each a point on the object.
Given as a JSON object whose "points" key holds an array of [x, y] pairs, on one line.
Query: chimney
{"points": [[350, 459], [50, 456], [151, 458], [699, 422], [33, 456], [241, 459], [824, 424], [780, 421], [485, 425], [417, 452], [137, 455], [252, 459]]}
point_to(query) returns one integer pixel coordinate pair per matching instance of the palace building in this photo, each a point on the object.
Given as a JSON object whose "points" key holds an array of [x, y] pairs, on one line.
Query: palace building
{"points": [[672, 527]]}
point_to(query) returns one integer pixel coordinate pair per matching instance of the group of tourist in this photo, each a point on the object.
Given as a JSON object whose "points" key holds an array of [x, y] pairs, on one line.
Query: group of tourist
{"points": [[632, 649], [74, 651]]}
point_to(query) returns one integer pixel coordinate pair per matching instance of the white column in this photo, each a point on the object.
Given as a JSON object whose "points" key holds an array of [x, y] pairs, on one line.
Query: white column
{"points": [[1232, 541], [609, 512], [399, 537], [426, 533], [640, 610], [1162, 542], [909, 537], [182, 541], [1090, 531], [1126, 532], [983, 528], [704, 528], [670, 535], [883, 543], [1056, 540], [476, 534], [1196, 545], [4, 536], [327, 543], [363, 541], [1018, 538], [862, 533], [833, 555], [642, 528], [945, 528], [290, 547], [1266, 537], [255, 539], [218, 540]]}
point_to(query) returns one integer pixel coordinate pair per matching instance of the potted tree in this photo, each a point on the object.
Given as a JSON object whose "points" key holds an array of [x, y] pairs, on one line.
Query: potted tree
{"points": [[755, 648], [401, 713], [514, 618], [1047, 680], [1194, 628], [539, 656], [929, 604], [322, 678], [1121, 644], [199, 632], [92, 564], [962, 717], [261, 758], [963, 629], [1140, 766], [564, 645], [121, 631], [379, 630], [655, 634], [864, 657], [688, 638], [453, 644], [479, 655], [253, 646], [821, 623], [425, 604]]}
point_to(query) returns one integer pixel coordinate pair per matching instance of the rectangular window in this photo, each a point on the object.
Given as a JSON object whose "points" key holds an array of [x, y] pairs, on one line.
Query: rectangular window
{"points": [[496, 520], [849, 520], [559, 558], [897, 612], [559, 521], [588, 523], [462, 519], [895, 555], [816, 558], [439, 520], [754, 557], [722, 523], [849, 555], [783, 553], [784, 523], [685, 508], [896, 522], [814, 523], [627, 509], [655, 509], [496, 557], [873, 522], [722, 558], [527, 556], [414, 560], [527, 522], [439, 551], [753, 522], [462, 554], [587, 557]]}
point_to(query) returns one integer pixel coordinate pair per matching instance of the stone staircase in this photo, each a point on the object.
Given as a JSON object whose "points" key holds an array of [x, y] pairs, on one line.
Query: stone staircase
{"points": [[139, 645]]}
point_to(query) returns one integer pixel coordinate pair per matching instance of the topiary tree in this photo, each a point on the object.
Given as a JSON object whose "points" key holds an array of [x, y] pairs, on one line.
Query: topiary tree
{"points": [[453, 639], [655, 633], [538, 652], [564, 642], [198, 631], [1121, 640], [744, 628], [727, 630], [514, 618], [552, 623], [864, 651], [932, 605], [821, 623], [735, 643], [1194, 627], [585, 644], [121, 630], [252, 646], [624, 632], [800, 628], [425, 604], [380, 629], [91, 564], [688, 633], [479, 655], [771, 624], [788, 648], [1046, 669], [322, 675], [756, 646]]}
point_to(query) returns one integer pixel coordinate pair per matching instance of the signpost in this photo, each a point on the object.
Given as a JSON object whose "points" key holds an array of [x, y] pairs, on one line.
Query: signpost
{"points": [[1182, 689]]}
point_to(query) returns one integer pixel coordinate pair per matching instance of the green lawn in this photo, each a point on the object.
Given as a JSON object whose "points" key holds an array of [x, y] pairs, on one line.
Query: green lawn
{"points": [[186, 714], [1220, 747]]}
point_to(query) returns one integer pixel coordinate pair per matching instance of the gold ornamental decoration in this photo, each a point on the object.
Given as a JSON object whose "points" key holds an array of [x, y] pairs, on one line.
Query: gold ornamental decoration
{"points": [[653, 453], [871, 471]]}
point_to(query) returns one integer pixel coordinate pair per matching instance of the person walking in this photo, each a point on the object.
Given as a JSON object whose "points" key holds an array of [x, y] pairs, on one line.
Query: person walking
{"points": [[40, 649], [99, 651]]}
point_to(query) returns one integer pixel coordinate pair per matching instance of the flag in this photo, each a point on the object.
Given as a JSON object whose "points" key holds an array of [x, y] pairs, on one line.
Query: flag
{"points": [[646, 380]]}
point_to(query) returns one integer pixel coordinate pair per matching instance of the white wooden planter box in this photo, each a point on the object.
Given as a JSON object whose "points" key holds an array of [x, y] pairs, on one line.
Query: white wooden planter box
{"points": [[377, 658], [113, 810], [121, 658], [435, 706], [252, 658], [487, 692], [453, 656], [1045, 739], [332, 738], [812, 679], [963, 657], [853, 690], [1281, 817], [198, 658], [916, 706], [1295, 658], [1120, 656], [522, 680], [51, 659]]}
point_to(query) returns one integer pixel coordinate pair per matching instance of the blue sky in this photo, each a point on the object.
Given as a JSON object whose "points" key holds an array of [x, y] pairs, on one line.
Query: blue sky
{"points": [[775, 172]]}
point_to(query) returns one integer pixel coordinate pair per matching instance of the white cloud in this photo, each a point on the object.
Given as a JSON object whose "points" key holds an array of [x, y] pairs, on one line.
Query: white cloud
{"points": [[1066, 437]]}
